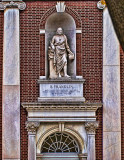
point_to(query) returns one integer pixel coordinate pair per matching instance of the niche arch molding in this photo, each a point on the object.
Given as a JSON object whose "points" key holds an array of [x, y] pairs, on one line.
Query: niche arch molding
{"points": [[67, 23], [78, 57], [68, 10]]}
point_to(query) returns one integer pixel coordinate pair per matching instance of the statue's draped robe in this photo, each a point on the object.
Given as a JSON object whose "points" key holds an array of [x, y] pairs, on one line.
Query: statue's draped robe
{"points": [[61, 47], [116, 10]]}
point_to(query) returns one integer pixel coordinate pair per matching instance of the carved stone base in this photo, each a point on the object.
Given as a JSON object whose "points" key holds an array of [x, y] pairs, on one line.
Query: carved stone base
{"points": [[64, 90]]}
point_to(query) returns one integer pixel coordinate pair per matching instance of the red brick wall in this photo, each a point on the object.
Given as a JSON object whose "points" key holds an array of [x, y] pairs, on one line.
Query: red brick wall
{"points": [[1, 61], [42, 55], [32, 62], [122, 101], [89, 61]]}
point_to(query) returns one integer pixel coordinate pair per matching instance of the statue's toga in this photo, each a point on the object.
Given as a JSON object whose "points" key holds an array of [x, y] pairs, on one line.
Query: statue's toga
{"points": [[61, 49]]}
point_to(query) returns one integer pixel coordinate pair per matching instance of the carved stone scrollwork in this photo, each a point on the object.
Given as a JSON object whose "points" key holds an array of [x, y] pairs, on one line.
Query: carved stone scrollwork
{"points": [[19, 5], [32, 127], [91, 127]]}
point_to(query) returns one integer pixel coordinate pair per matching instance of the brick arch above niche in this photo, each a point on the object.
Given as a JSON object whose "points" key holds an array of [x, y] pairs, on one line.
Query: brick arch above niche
{"points": [[68, 10]]}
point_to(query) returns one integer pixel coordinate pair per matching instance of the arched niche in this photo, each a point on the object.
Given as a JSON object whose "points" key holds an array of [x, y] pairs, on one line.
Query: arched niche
{"points": [[67, 23]]}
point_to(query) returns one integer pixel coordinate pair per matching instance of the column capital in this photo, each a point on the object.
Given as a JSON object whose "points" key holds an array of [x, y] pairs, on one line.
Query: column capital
{"points": [[32, 126], [91, 127], [101, 4], [20, 5]]}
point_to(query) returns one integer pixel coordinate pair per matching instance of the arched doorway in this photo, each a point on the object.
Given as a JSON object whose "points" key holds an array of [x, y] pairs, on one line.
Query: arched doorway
{"points": [[60, 146]]}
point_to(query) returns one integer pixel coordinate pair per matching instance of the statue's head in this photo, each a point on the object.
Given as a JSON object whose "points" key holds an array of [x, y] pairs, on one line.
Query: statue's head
{"points": [[59, 31]]}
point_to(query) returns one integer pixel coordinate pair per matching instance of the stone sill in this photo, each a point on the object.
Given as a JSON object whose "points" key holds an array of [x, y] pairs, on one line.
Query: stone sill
{"points": [[61, 100], [78, 79]]}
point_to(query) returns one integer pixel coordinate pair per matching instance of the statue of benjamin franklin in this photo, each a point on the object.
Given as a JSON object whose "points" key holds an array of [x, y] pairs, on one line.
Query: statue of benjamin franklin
{"points": [[59, 48]]}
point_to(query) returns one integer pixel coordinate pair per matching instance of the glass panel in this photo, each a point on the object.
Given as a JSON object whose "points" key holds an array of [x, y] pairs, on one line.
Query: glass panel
{"points": [[59, 143]]}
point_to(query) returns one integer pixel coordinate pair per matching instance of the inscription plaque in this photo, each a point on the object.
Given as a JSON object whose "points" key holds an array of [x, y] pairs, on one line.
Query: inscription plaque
{"points": [[58, 90], [61, 90]]}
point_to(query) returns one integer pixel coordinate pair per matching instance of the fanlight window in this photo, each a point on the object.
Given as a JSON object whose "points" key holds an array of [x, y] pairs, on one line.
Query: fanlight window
{"points": [[59, 143]]}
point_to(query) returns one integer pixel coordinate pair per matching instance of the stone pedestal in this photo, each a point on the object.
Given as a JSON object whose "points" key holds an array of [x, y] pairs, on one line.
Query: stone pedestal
{"points": [[61, 90], [11, 81]]}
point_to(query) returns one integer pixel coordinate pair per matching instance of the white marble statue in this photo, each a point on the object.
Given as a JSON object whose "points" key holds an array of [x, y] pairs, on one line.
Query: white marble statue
{"points": [[59, 50]]}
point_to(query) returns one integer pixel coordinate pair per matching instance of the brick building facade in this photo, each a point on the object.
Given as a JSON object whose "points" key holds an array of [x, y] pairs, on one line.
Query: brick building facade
{"points": [[89, 63]]}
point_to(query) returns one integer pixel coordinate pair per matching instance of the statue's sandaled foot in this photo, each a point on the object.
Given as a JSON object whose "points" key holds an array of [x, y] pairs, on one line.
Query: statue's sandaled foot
{"points": [[67, 76], [60, 75]]}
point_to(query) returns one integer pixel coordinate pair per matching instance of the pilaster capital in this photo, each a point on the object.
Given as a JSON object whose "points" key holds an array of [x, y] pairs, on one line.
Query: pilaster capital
{"points": [[32, 126], [91, 127], [20, 5], [101, 4]]}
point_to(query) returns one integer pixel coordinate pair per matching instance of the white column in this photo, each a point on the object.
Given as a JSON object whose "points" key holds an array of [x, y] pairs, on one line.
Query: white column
{"points": [[31, 146], [11, 83], [91, 147], [32, 128], [111, 91], [91, 128], [11, 86]]}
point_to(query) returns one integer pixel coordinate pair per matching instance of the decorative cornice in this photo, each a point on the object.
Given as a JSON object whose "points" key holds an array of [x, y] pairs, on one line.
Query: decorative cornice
{"points": [[68, 107], [91, 127], [19, 5], [101, 4], [32, 127]]}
